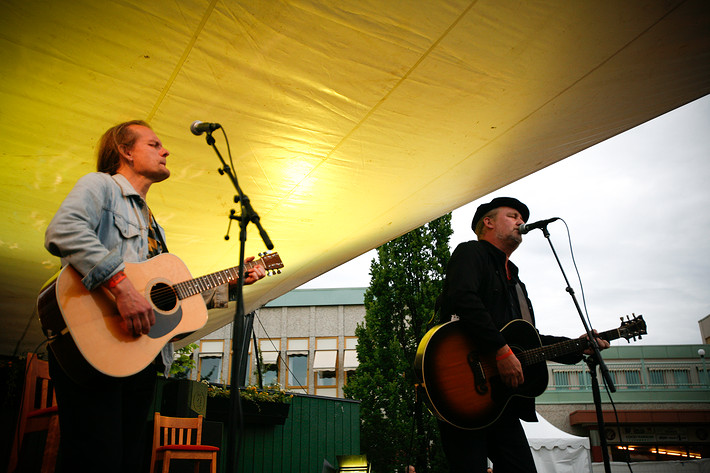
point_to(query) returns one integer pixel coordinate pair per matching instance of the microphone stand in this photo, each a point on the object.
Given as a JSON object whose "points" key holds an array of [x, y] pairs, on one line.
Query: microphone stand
{"points": [[592, 361], [239, 325]]}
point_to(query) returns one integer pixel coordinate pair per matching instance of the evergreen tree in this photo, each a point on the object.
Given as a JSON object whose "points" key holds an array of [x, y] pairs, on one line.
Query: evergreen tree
{"points": [[406, 279]]}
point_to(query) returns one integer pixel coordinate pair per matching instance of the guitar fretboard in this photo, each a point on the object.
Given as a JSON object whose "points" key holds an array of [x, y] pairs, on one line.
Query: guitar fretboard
{"points": [[549, 352], [198, 285]]}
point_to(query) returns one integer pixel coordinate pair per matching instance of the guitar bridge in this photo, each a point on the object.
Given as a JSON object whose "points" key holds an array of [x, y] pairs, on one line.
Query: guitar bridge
{"points": [[479, 375]]}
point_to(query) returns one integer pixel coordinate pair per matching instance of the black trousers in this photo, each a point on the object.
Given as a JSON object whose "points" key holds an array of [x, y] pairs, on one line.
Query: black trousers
{"points": [[103, 424], [504, 443]]}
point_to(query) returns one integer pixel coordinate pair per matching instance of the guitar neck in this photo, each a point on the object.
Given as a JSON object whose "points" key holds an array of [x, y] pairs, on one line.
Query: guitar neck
{"points": [[568, 347], [198, 285]]}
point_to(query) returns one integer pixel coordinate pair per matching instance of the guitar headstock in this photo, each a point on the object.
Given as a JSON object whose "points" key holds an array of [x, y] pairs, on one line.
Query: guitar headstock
{"points": [[632, 328], [272, 263]]}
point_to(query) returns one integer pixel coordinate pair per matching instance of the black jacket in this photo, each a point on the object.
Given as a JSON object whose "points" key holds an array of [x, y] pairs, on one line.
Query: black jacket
{"points": [[478, 291]]}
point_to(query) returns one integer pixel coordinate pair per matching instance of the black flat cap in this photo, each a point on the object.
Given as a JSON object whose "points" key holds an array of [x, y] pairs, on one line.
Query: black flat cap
{"points": [[483, 209]]}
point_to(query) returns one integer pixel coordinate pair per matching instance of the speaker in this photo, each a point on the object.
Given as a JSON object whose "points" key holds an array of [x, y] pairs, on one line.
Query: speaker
{"points": [[184, 398]]}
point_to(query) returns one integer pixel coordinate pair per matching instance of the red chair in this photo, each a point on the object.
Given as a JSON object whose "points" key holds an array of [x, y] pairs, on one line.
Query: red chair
{"points": [[38, 412], [180, 438]]}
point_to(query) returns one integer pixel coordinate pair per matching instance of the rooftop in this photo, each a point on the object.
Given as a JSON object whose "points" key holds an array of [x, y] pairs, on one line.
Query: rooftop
{"points": [[320, 297]]}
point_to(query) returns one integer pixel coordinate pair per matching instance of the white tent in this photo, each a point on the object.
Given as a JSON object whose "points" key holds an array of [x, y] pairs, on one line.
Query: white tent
{"points": [[556, 451]]}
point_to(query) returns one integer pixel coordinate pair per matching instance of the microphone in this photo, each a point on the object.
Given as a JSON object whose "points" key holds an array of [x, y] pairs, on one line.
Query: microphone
{"points": [[526, 227], [198, 127]]}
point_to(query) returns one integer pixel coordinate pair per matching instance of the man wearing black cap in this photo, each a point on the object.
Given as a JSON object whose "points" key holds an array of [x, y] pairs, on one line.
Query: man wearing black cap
{"points": [[483, 290]]}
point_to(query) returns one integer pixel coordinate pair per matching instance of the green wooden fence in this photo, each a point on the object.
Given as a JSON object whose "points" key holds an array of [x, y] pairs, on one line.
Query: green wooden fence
{"points": [[316, 429]]}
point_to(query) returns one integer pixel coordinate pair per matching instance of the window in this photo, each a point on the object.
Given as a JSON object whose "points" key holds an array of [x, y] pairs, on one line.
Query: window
{"points": [[326, 378], [211, 353], [561, 379], [297, 360], [210, 368], [633, 379], [657, 377], [577, 380], [681, 378], [325, 364], [269, 350], [270, 374], [670, 378], [297, 370], [350, 361], [585, 379]]}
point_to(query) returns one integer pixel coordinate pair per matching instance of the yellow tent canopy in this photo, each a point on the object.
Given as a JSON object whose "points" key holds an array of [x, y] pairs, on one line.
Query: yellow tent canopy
{"points": [[349, 122]]}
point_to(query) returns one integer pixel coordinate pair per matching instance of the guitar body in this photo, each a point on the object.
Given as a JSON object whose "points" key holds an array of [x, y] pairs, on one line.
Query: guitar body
{"points": [[462, 387], [87, 324]]}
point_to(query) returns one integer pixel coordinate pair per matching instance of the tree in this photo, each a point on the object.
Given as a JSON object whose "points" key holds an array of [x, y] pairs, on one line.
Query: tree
{"points": [[406, 279], [183, 362]]}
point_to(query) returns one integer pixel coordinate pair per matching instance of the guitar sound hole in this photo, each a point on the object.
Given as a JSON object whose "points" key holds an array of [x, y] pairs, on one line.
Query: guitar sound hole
{"points": [[163, 296]]}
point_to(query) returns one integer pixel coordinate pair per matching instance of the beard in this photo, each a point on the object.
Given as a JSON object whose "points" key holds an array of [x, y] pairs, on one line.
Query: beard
{"points": [[511, 240], [159, 175]]}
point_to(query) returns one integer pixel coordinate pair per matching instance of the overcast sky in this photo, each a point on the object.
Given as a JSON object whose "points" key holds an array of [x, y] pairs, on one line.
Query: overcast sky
{"points": [[637, 210]]}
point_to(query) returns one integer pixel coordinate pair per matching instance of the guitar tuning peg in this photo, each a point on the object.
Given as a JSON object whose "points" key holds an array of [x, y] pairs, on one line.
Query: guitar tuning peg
{"points": [[278, 271]]}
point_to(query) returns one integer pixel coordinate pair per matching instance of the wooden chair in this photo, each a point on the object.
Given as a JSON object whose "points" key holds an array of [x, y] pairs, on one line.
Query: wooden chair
{"points": [[38, 412], [180, 438]]}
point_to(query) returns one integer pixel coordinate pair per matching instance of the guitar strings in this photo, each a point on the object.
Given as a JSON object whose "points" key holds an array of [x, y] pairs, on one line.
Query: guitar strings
{"points": [[179, 291], [536, 355]]}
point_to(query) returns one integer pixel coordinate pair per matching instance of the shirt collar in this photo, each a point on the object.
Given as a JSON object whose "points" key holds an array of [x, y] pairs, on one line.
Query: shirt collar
{"points": [[126, 187], [500, 257]]}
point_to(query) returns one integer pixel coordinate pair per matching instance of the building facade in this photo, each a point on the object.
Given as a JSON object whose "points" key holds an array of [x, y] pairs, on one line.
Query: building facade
{"points": [[660, 411], [305, 343]]}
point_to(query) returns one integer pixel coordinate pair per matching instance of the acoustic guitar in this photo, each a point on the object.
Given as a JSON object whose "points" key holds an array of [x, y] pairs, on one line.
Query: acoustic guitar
{"points": [[463, 387], [86, 331]]}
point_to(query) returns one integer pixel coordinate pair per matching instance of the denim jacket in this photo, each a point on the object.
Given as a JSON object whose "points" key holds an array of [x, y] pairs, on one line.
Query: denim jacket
{"points": [[101, 225]]}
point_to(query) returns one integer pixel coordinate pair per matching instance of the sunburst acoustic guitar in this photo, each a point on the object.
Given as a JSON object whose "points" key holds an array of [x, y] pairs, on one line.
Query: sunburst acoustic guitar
{"points": [[463, 388]]}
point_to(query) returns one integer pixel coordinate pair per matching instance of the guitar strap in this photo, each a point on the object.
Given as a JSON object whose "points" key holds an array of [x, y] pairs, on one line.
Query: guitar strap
{"points": [[523, 302], [156, 244]]}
